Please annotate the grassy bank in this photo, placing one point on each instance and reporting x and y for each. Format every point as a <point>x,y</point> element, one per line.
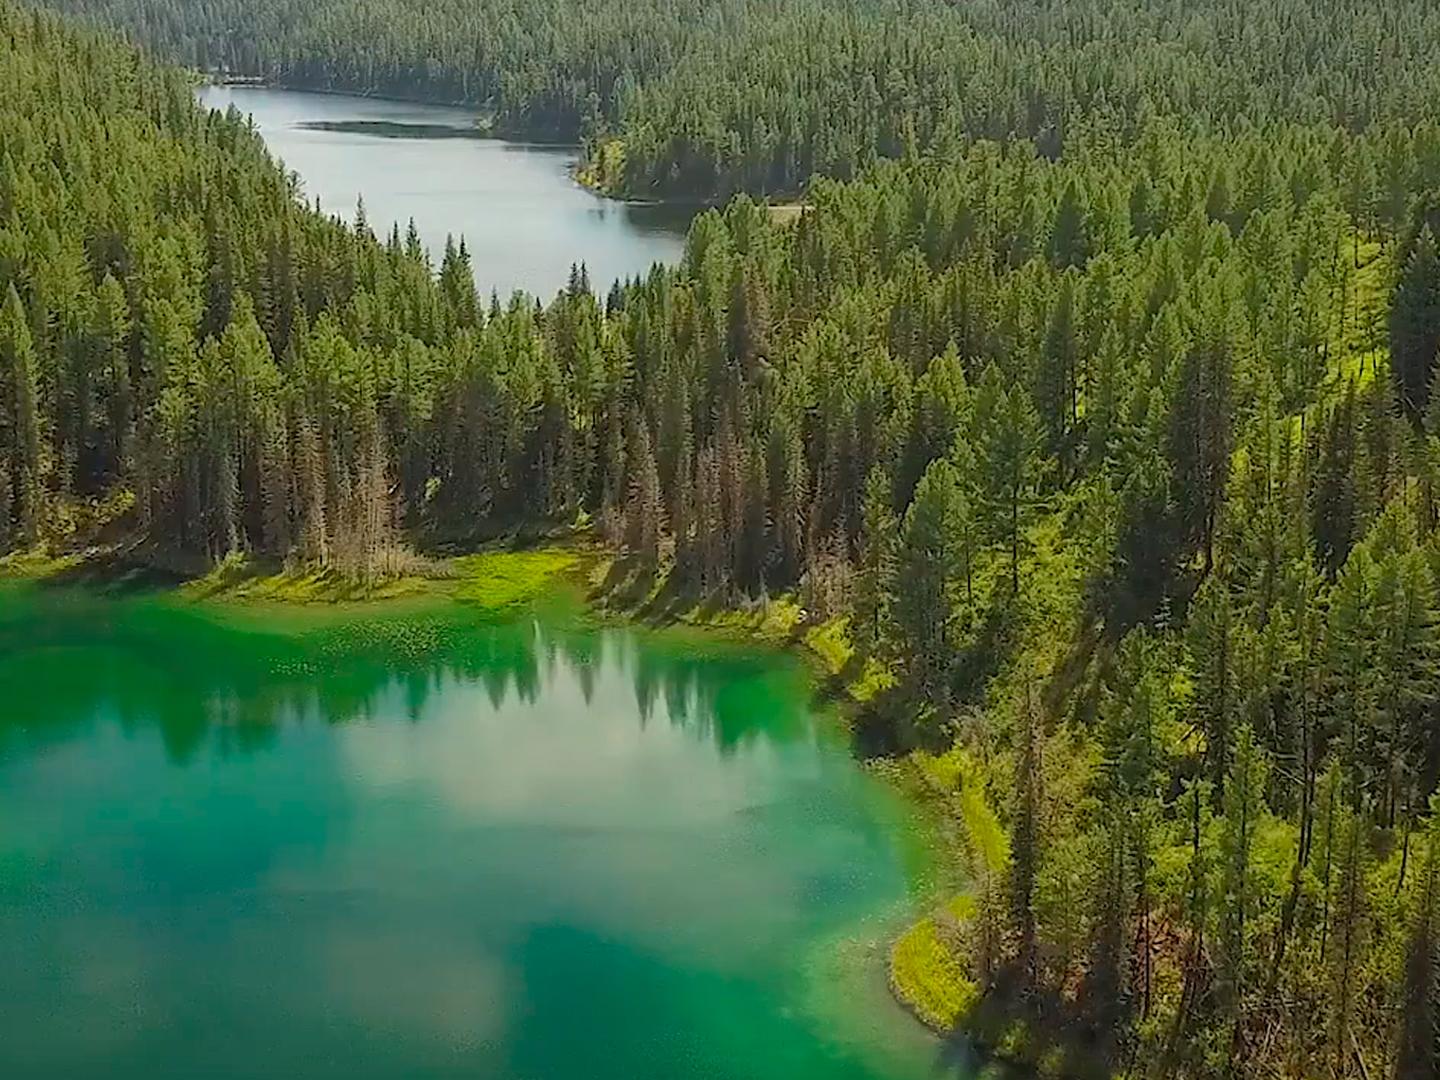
<point>494,580</point>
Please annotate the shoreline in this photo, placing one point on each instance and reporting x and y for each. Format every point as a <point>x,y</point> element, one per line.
<point>500,578</point>
<point>483,128</point>
<point>265,82</point>
<point>784,207</point>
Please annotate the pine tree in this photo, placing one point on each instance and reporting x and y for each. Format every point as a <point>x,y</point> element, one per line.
<point>310,494</point>
<point>873,597</point>
<point>927,570</point>
<point>683,515</point>
<point>1105,980</point>
<point>1415,325</point>
<point>1349,676</point>
<point>1057,388</point>
<point>733,496</point>
<point>1069,245</point>
<point>1201,432</point>
<point>942,404</point>
<point>1025,847</point>
<point>457,283</point>
<point>19,371</point>
<point>1244,807</point>
<point>1194,812</point>
<point>110,328</point>
<point>1419,1052</point>
<point>749,314</point>
<point>711,527</point>
<point>754,559</point>
<point>275,481</point>
<point>1212,648</point>
<point>1350,926</point>
<point>789,492</point>
<point>1010,466</point>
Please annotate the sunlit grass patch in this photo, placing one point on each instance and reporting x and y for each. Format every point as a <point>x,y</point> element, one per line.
<point>503,579</point>
<point>36,563</point>
<point>240,578</point>
<point>930,978</point>
<point>956,772</point>
<point>774,620</point>
<point>830,641</point>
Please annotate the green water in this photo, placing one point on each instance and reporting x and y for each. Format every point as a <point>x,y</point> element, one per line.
<point>240,843</point>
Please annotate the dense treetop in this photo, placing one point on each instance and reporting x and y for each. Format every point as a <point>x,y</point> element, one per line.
<point>1117,468</point>
<point>706,97</point>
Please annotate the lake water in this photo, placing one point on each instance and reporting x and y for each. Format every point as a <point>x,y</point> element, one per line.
<point>246,842</point>
<point>524,219</point>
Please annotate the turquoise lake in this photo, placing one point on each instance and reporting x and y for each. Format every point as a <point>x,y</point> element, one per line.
<point>410,842</point>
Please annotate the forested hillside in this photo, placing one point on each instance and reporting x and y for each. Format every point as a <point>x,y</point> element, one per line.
<point>709,97</point>
<point>1112,475</point>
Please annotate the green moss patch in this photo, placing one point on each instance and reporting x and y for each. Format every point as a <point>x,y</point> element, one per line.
<point>500,580</point>
<point>929,978</point>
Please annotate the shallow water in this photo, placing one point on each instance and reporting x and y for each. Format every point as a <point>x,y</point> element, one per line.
<point>266,843</point>
<point>524,219</point>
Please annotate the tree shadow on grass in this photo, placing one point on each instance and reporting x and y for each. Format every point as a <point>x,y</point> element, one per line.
<point>1020,1034</point>
<point>120,572</point>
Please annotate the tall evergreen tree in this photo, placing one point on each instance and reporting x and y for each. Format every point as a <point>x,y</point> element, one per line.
<point>22,378</point>
<point>1415,324</point>
<point>927,571</point>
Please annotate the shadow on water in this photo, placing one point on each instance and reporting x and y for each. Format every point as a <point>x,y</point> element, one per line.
<point>393,129</point>
<point>629,586</point>
<point>959,1058</point>
<point>229,678</point>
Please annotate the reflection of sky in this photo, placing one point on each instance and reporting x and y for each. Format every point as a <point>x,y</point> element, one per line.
<point>653,818</point>
<point>437,884</point>
<point>524,219</point>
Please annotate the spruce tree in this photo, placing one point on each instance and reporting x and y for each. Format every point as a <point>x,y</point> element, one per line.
<point>927,571</point>
<point>1415,325</point>
<point>874,582</point>
<point>1010,465</point>
<point>19,372</point>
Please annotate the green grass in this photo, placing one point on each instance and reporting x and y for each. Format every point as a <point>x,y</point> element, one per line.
<point>36,563</point>
<point>1358,348</point>
<point>242,579</point>
<point>500,580</point>
<point>773,622</point>
<point>493,580</point>
<point>928,976</point>
<point>929,967</point>
<point>957,776</point>
<point>830,641</point>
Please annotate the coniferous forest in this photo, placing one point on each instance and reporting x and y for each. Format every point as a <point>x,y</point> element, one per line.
<point>709,97</point>
<point>1090,395</point>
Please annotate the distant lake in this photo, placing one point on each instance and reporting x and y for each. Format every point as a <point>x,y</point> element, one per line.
<point>523,216</point>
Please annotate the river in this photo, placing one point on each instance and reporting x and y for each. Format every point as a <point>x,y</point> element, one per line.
<point>524,218</point>
<point>260,842</point>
